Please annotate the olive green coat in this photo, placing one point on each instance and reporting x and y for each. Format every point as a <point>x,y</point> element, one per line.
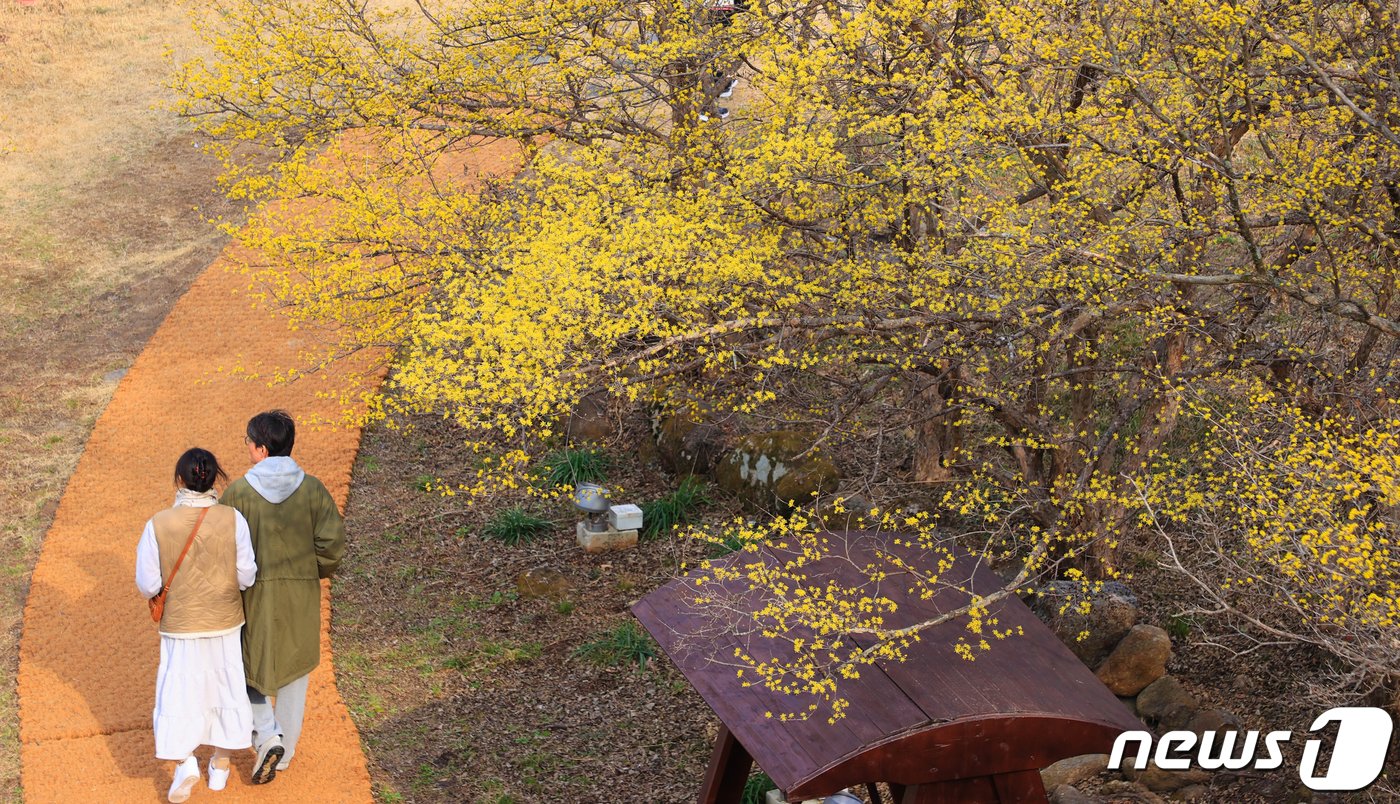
<point>296,542</point>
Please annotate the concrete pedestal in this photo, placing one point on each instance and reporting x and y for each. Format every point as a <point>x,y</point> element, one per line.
<point>600,541</point>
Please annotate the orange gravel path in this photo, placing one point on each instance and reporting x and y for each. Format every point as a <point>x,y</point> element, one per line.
<point>89,650</point>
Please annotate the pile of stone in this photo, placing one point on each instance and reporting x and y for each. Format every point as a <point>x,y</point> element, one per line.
<point>1130,658</point>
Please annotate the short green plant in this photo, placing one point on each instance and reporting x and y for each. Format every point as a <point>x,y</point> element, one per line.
<point>564,607</point>
<point>625,644</point>
<point>515,525</point>
<point>756,788</point>
<point>423,483</point>
<point>661,515</point>
<point>570,467</point>
<point>497,598</point>
<point>426,777</point>
<point>729,544</point>
<point>1179,626</point>
<point>491,654</point>
<point>508,653</point>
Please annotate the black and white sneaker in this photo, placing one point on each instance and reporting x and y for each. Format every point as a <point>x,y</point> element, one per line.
<point>269,754</point>
<point>729,88</point>
<point>722,113</point>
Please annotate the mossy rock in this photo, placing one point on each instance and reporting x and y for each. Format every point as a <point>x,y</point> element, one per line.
<point>686,446</point>
<point>764,472</point>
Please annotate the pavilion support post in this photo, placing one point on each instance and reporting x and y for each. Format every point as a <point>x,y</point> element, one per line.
<point>1021,787</point>
<point>729,770</point>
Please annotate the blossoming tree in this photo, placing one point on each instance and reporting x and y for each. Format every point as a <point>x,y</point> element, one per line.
<point>1088,272</point>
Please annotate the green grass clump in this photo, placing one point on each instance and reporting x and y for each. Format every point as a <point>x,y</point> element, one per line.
<point>731,543</point>
<point>570,467</point>
<point>515,525</point>
<point>756,789</point>
<point>625,644</point>
<point>1179,626</point>
<point>661,515</point>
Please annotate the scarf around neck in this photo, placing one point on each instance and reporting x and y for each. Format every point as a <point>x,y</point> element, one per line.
<point>196,499</point>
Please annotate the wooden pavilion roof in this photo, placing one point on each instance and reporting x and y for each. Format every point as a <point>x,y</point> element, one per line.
<point>1024,704</point>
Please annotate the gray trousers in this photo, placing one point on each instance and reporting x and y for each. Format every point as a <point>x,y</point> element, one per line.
<point>283,716</point>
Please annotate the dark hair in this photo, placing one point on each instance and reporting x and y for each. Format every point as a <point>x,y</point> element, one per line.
<point>275,430</point>
<point>197,469</point>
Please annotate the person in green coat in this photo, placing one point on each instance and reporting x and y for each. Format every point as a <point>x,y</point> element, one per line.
<point>298,538</point>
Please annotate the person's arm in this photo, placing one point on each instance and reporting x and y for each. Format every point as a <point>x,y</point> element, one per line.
<point>329,536</point>
<point>148,581</point>
<point>243,544</point>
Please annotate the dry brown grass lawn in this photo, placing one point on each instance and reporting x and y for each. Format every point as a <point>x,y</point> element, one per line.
<point>103,199</point>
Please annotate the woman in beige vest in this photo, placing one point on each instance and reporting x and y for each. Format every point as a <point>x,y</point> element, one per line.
<point>201,697</point>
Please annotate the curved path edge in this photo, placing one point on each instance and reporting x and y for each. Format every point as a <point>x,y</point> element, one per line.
<point>89,650</point>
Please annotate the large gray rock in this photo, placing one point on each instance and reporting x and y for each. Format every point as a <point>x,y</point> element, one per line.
<point>1212,720</point>
<point>1073,770</point>
<point>1065,794</point>
<point>852,511</point>
<point>765,472</point>
<point>1090,636</point>
<point>1138,660</point>
<point>1120,790</point>
<point>1165,781</point>
<point>592,420</point>
<point>687,446</point>
<point>1166,702</point>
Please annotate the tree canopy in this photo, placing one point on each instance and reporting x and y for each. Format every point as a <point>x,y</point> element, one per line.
<point>1089,272</point>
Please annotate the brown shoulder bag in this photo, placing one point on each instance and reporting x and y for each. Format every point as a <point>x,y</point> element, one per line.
<point>157,603</point>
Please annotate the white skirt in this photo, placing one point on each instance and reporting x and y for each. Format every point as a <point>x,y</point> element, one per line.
<point>201,695</point>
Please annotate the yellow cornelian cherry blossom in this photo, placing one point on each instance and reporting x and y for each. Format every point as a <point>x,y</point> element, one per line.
<point>1085,283</point>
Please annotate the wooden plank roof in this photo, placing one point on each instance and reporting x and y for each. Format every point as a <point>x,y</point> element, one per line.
<point>1024,704</point>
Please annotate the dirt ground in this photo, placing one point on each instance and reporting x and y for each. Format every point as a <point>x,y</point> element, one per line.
<point>466,691</point>
<point>103,201</point>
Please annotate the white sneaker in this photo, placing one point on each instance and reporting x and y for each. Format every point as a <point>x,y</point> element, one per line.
<point>218,777</point>
<point>186,774</point>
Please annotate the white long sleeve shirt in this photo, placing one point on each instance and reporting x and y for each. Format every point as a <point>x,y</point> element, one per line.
<point>149,580</point>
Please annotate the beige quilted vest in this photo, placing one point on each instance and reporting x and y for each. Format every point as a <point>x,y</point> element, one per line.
<point>204,597</point>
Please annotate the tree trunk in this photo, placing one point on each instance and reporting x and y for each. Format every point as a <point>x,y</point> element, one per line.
<point>937,438</point>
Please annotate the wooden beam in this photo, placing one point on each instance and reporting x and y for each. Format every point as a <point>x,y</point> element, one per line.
<point>729,769</point>
<point>1023,786</point>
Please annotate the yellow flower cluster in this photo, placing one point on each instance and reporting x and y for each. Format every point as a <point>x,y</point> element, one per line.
<point>1075,272</point>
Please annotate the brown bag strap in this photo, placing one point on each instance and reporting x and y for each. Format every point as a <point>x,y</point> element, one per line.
<point>181,559</point>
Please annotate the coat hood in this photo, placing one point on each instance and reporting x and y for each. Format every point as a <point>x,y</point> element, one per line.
<point>275,478</point>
